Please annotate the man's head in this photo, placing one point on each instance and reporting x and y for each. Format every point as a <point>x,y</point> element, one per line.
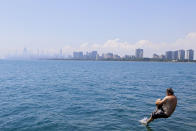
<point>169,91</point>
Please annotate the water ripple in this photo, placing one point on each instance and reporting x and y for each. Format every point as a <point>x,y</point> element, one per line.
<point>89,95</point>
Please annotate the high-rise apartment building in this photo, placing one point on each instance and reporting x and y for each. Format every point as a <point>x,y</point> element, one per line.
<point>60,53</point>
<point>139,53</point>
<point>190,54</point>
<point>168,55</point>
<point>91,55</point>
<point>108,56</point>
<point>181,54</point>
<point>174,55</point>
<point>78,55</point>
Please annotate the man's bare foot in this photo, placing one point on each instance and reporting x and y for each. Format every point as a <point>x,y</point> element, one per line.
<point>144,121</point>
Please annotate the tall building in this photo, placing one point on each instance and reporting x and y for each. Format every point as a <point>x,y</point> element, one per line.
<point>25,52</point>
<point>139,53</point>
<point>108,56</point>
<point>181,54</point>
<point>60,53</point>
<point>38,53</point>
<point>116,56</point>
<point>190,54</point>
<point>174,55</point>
<point>91,55</point>
<point>78,55</point>
<point>168,55</point>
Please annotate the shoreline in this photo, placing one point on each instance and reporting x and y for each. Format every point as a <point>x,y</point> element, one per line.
<point>120,60</point>
<point>143,60</point>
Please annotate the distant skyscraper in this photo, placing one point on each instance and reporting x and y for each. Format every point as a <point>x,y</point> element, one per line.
<point>181,54</point>
<point>116,56</point>
<point>91,55</point>
<point>108,56</point>
<point>139,53</point>
<point>25,52</point>
<point>94,54</point>
<point>78,55</point>
<point>190,54</point>
<point>38,53</point>
<point>174,55</point>
<point>61,53</point>
<point>168,55</point>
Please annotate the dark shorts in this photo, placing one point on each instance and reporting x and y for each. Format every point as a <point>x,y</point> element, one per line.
<point>159,113</point>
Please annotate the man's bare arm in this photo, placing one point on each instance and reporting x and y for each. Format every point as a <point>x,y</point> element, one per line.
<point>160,102</point>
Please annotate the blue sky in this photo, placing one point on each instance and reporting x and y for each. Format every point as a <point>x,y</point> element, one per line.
<point>92,24</point>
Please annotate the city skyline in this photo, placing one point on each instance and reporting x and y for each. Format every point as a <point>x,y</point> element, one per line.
<point>174,55</point>
<point>113,46</point>
<point>169,55</point>
<point>105,26</point>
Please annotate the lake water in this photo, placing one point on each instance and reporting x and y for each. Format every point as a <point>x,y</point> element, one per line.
<point>93,95</point>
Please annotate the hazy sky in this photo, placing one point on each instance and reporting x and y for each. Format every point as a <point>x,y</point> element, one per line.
<point>118,26</point>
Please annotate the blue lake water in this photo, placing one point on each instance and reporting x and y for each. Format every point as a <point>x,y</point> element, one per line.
<point>93,95</point>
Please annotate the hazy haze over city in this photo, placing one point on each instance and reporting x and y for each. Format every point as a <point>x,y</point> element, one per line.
<point>106,26</point>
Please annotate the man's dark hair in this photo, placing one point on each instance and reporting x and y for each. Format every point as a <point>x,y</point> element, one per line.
<point>170,91</point>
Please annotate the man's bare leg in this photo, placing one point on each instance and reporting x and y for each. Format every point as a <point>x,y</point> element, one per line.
<point>146,121</point>
<point>150,120</point>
